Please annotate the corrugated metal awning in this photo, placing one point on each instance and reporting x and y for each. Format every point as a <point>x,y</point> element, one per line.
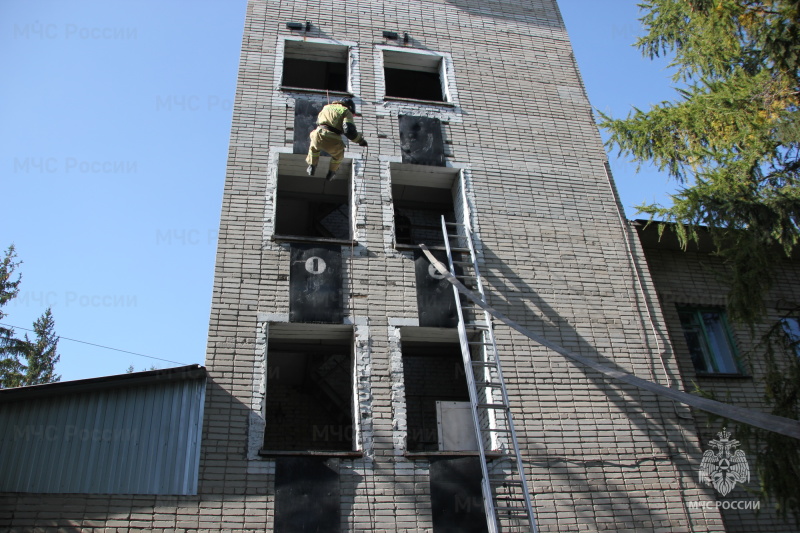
<point>129,434</point>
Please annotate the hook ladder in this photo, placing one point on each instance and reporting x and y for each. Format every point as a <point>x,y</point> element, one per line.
<point>505,491</point>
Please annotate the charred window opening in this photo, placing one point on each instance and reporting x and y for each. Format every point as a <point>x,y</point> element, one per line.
<point>414,76</point>
<point>456,497</point>
<point>312,65</point>
<point>421,141</point>
<point>420,196</point>
<point>307,495</point>
<point>309,207</point>
<point>315,283</point>
<point>433,374</point>
<point>309,389</point>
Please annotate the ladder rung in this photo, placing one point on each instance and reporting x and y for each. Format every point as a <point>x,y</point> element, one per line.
<point>510,505</point>
<point>506,457</point>
<point>492,406</point>
<point>504,481</point>
<point>509,510</point>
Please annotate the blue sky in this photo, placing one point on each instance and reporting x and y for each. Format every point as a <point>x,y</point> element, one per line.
<point>114,125</point>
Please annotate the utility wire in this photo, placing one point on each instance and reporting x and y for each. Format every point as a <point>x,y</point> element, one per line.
<point>101,346</point>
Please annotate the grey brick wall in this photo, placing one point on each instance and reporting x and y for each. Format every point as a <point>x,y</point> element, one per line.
<point>691,279</point>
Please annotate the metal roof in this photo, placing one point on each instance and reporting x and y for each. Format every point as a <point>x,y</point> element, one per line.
<point>179,373</point>
<point>129,434</point>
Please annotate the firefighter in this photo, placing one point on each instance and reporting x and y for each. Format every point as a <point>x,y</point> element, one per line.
<point>334,120</point>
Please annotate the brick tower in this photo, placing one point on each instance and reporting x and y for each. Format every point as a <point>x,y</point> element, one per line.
<point>335,375</point>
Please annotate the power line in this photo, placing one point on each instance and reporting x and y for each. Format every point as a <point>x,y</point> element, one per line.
<point>101,346</point>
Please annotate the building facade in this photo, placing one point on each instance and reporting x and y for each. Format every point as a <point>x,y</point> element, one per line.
<point>475,111</point>
<point>335,387</point>
<point>724,359</point>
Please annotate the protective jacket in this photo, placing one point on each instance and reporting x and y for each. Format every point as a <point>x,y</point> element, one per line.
<point>337,118</point>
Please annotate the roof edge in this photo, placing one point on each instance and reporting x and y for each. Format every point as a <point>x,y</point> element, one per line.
<point>150,377</point>
<point>649,237</point>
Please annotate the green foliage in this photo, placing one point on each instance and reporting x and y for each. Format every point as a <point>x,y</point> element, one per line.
<point>10,347</point>
<point>41,354</point>
<point>732,138</point>
<point>24,361</point>
<point>777,459</point>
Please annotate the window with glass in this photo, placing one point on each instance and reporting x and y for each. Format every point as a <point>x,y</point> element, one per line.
<point>791,326</point>
<point>709,339</point>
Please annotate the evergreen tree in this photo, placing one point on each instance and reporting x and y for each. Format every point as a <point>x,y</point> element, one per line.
<point>10,348</point>
<point>732,139</point>
<point>41,354</point>
<point>22,361</point>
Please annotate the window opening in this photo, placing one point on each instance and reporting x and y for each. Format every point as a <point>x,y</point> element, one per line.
<point>309,389</point>
<point>312,65</point>
<point>414,76</point>
<point>420,197</point>
<point>709,340</point>
<point>433,372</point>
<point>309,206</point>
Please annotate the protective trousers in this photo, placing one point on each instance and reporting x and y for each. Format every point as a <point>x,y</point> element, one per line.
<point>322,139</point>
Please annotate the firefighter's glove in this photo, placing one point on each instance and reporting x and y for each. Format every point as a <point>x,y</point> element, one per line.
<point>362,142</point>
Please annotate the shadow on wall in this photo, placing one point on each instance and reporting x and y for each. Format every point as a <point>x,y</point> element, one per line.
<point>664,446</point>
<point>531,12</point>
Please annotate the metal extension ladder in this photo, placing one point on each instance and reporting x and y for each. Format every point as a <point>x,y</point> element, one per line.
<point>505,490</point>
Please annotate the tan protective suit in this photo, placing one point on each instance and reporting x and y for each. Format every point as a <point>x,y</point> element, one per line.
<point>334,116</point>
